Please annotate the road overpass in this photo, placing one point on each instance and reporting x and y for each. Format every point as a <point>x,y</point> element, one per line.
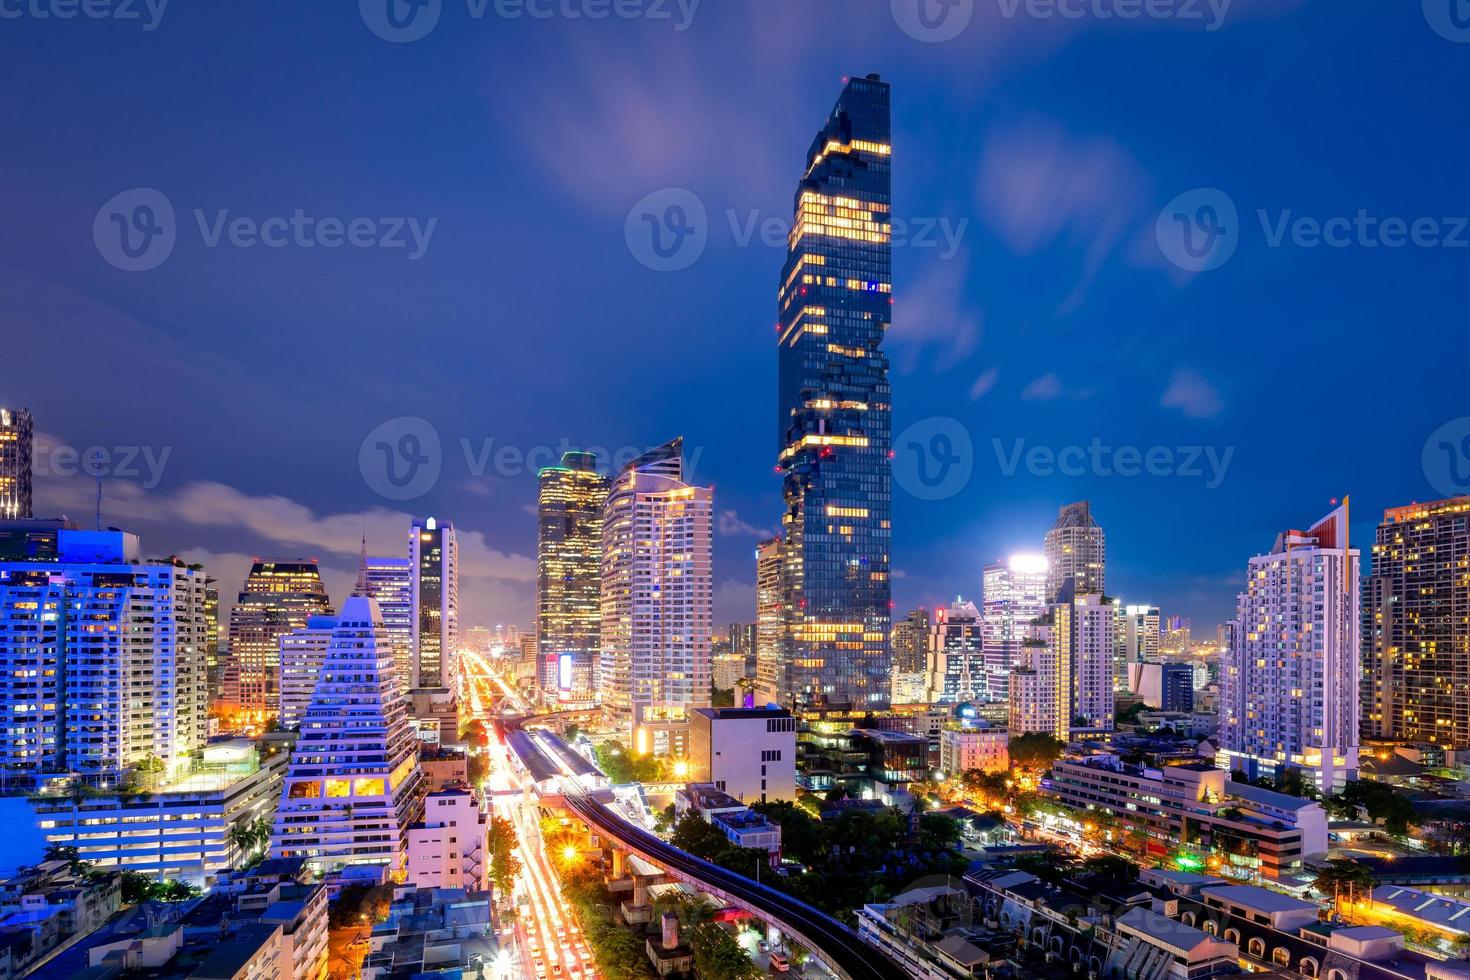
<point>835,944</point>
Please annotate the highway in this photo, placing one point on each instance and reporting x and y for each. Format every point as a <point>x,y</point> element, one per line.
<point>835,944</point>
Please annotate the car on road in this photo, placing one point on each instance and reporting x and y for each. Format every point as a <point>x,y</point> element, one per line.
<point>780,963</point>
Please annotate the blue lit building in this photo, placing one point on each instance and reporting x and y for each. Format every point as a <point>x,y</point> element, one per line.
<point>835,416</point>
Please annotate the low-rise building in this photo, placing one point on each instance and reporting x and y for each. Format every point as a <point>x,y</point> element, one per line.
<point>182,828</point>
<point>431,930</point>
<point>741,825</point>
<point>43,907</point>
<point>448,848</point>
<point>981,747</point>
<point>1251,831</point>
<point>934,933</point>
<point>749,753</point>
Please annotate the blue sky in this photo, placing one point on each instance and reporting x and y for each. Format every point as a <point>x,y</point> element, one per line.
<point>1051,316</point>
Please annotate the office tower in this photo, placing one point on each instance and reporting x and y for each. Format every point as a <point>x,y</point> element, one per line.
<point>910,642</point>
<point>277,597</point>
<point>1014,597</point>
<point>389,583</point>
<point>433,556</point>
<point>657,600</point>
<point>1416,626</point>
<point>1075,549</point>
<point>956,663</point>
<point>214,666</point>
<point>303,651</point>
<point>1066,677</point>
<point>103,659</point>
<point>354,785</point>
<point>16,444</point>
<point>1289,683</point>
<point>771,622</point>
<point>834,410</point>
<point>1093,640</point>
<point>1137,640</point>
<point>526,668</point>
<point>569,503</point>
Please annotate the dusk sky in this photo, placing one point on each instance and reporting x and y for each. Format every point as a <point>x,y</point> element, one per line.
<point>1039,300</point>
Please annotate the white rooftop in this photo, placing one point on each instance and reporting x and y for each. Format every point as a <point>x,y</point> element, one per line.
<point>1437,910</point>
<point>1258,899</point>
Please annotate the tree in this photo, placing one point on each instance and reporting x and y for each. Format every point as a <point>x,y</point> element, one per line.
<point>718,956</point>
<point>504,865</point>
<point>1381,802</point>
<point>700,838</point>
<point>1344,879</point>
<point>1034,750</point>
<point>138,887</point>
<point>722,697</point>
<point>1111,866</point>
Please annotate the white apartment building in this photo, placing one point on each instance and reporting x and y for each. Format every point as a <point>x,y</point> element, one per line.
<point>982,747</point>
<point>303,651</point>
<point>1137,640</point>
<point>449,848</point>
<point>748,753</point>
<point>104,661</point>
<point>1289,683</point>
<point>657,601</point>
<point>956,661</point>
<point>353,785</point>
<point>1092,641</point>
<point>1066,678</point>
<point>1014,594</point>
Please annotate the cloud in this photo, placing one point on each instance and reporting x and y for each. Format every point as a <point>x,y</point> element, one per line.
<point>1043,389</point>
<point>1039,185</point>
<point>935,318</point>
<point>984,383</point>
<point>734,602</point>
<point>1192,394</point>
<point>729,522</point>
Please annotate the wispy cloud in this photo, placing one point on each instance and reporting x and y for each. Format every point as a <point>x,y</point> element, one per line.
<point>1043,389</point>
<point>730,522</point>
<point>936,321</point>
<point>984,383</point>
<point>1191,393</point>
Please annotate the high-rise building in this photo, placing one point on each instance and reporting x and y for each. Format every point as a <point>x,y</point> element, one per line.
<point>1137,640</point>
<point>1416,626</point>
<point>1076,550</point>
<point>1289,682</point>
<point>214,667</point>
<point>657,600</point>
<point>1014,597</point>
<point>956,662</point>
<point>911,642</point>
<point>433,556</point>
<point>353,786</point>
<point>835,412</point>
<point>16,445</point>
<point>303,651</point>
<point>103,659</point>
<point>1092,644</point>
<point>389,583</point>
<point>771,657</point>
<point>277,597</point>
<point>1065,681</point>
<point>569,503</point>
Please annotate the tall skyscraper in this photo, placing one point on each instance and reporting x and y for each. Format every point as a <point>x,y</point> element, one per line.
<point>389,583</point>
<point>16,438</point>
<point>1065,681</point>
<point>657,600</point>
<point>277,597</point>
<point>910,642</point>
<point>1290,680</point>
<point>303,651</point>
<point>1137,640</point>
<point>771,622</point>
<point>354,784</point>
<point>433,556</point>
<point>1416,626</point>
<point>956,662</point>
<point>1075,549</point>
<point>1093,641</point>
<point>104,661</point>
<point>834,408</point>
<point>569,503</point>
<point>1014,597</point>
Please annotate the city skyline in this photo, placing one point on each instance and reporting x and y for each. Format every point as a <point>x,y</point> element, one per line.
<point>1036,293</point>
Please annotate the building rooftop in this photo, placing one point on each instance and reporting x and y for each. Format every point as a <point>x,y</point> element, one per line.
<point>1259,899</point>
<point>1441,911</point>
<point>726,714</point>
<point>1267,797</point>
